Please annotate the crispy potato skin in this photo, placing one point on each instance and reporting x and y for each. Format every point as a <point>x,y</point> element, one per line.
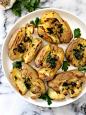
<point>41,55</point>
<point>72,59</point>
<point>27,72</point>
<point>70,81</point>
<point>57,34</point>
<point>32,50</point>
<point>47,73</point>
<point>15,39</point>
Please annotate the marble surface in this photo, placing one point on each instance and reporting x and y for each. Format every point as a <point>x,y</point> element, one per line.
<point>10,102</point>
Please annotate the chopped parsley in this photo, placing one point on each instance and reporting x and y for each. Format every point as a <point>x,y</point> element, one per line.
<point>36,22</point>
<point>72,91</point>
<point>78,52</point>
<point>27,39</point>
<point>53,21</point>
<point>73,84</point>
<point>32,45</point>
<point>77,33</point>
<point>60,31</point>
<point>27,84</point>
<point>81,84</point>
<point>17,64</point>
<point>60,25</point>
<point>15,78</point>
<point>51,60</point>
<point>82,68</point>
<point>14,50</point>
<point>20,49</point>
<point>50,30</point>
<point>46,97</point>
<point>65,84</point>
<point>65,65</point>
<point>21,43</point>
<point>40,36</point>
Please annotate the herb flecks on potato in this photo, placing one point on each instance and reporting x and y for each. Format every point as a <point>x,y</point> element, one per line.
<point>22,44</point>
<point>70,81</point>
<point>51,58</point>
<point>54,29</point>
<point>27,79</point>
<point>75,52</point>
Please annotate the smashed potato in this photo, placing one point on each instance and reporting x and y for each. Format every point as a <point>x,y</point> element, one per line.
<point>32,50</point>
<point>51,58</point>
<point>54,29</point>
<point>76,52</point>
<point>70,81</point>
<point>27,79</point>
<point>22,44</point>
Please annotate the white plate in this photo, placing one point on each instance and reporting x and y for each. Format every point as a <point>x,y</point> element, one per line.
<point>73,21</point>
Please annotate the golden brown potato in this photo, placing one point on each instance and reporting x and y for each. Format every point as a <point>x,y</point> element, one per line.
<point>70,81</point>
<point>17,81</point>
<point>54,29</point>
<point>27,79</point>
<point>22,44</point>
<point>76,52</point>
<point>38,88</point>
<point>51,58</point>
<point>55,96</point>
<point>14,44</point>
<point>32,50</point>
<point>42,55</point>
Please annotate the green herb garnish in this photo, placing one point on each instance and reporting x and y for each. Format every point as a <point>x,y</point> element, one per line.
<point>36,22</point>
<point>20,49</point>
<point>60,25</point>
<point>72,91</point>
<point>60,31</point>
<point>46,97</point>
<point>65,65</point>
<point>73,84</point>
<point>51,60</point>
<point>77,33</point>
<point>50,30</point>
<point>14,50</point>
<point>17,64</point>
<point>27,39</point>
<point>27,84</point>
<point>16,9</point>
<point>21,43</point>
<point>78,52</point>
<point>53,21</point>
<point>82,68</point>
<point>81,84</point>
<point>15,78</point>
<point>40,36</point>
<point>30,6</point>
<point>32,45</point>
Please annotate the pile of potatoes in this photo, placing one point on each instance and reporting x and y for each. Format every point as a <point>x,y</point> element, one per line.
<point>48,59</point>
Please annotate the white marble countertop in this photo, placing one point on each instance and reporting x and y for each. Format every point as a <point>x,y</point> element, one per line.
<point>10,102</point>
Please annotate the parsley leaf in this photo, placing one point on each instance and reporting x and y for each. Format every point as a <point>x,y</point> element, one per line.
<point>30,6</point>
<point>65,65</point>
<point>82,68</point>
<point>77,33</point>
<point>16,9</point>
<point>17,64</point>
<point>36,22</point>
<point>46,97</point>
